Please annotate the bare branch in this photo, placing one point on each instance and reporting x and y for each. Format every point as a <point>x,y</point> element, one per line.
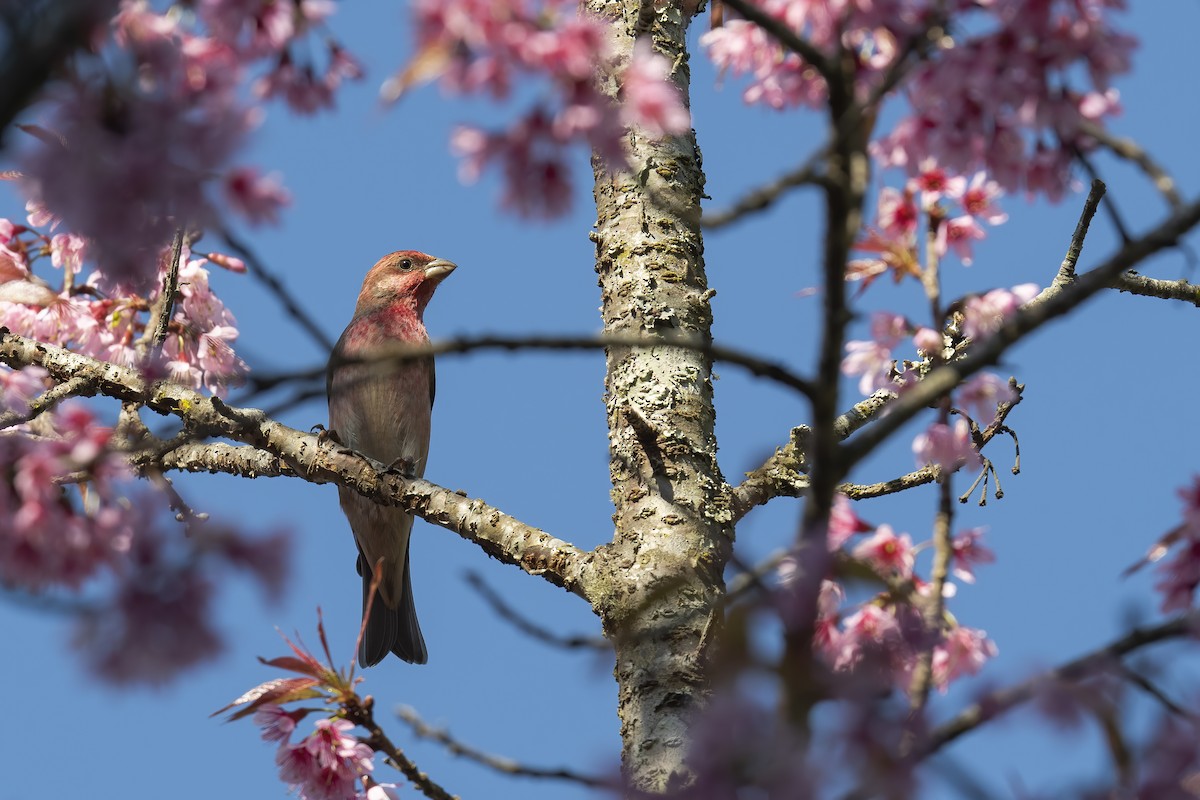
<point>529,628</point>
<point>500,535</point>
<point>1131,151</point>
<point>50,398</point>
<point>998,702</point>
<point>361,714</point>
<point>764,197</point>
<point>755,365</point>
<point>1134,283</point>
<point>508,766</point>
<point>275,286</point>
<point>1053,302</point>
<point>164,306</point>
<point>1066,270</point>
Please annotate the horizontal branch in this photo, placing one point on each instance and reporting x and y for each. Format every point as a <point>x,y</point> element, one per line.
<point>508,766</point>
<point>765,196</point>
<point>258,270</point>
<point>1133,283</point>
<point>1000,701</point>
<point>1052,303</point>
<point>755,365</point>
<point>781,475</point>
<point>304,454</point>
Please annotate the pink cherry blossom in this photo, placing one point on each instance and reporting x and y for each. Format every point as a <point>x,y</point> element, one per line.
<point>983,315</point>
<point>887,553</point>
<point>873,632</point>
<point>897,214</point>
<point>49,539</point>
<point>844,523</point>
<point>1179,577</point>
<point>256,197</point>
<point>956,234</point>
<point>1191,507</point>
<point>532,158</point>
<point>382,791</point>
<point>979,197</point>
<point>68,251</point>
<point>982,395</point>
<point>19,387</point>
<point>872,361</point>
<point>826,636</point>
<point>967,552</point>
<point>1004,85</point>
<point>277,724</point>
<point>964,651</point>
<point>933,181</point>
<point>946,446</point>
<point>326,764</point>
<point>652,101</point>
<point>152,630</point>
<point>889,329</point>
<point>929,341</point>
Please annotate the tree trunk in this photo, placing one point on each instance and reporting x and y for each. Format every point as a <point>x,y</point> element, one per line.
<point>660,582</point>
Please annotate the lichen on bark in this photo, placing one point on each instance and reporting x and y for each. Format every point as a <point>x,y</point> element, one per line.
<point>658,586</point>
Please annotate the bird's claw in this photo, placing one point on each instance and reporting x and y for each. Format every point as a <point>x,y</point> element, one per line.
<point>404,465</point>
<point>326,434</point>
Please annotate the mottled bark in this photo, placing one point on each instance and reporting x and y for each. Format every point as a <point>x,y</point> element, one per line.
<point>659,584</point>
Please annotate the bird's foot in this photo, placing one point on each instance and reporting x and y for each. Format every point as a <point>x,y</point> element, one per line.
<point>404,465</point>
<point>326,435</point>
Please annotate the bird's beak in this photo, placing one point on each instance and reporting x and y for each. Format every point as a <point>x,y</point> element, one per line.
<point>439,269</point>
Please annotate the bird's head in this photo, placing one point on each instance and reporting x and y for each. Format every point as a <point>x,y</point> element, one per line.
<point>407,277</point>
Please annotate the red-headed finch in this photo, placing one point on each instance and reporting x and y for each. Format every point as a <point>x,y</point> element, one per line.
<point>382,410</point>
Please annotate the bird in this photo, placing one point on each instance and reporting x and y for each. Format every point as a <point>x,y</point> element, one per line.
<point>382,410</point>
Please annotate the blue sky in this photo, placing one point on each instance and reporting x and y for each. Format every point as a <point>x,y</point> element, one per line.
<point>1105,430</point>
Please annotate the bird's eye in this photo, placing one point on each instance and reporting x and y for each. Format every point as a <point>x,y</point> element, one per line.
<point>405,264</point>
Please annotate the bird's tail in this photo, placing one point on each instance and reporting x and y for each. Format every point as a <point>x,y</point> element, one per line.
<point>390,630</point>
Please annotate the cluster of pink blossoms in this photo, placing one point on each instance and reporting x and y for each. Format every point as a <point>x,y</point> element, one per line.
<point>885,632</point>
<point>140,137</point>
<point>995,95</point>
<point>67,522</point>
<point>894,241</point>
<point>480,46</point>
<point>325,765</point>
<point>46,542</point>
<point>1179,577</point>
<point>107,325</point>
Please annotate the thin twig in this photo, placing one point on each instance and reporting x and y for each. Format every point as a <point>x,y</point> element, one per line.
<point>531,629</point>
<point>361,714</point>
<point>499,763</point>
<point>258,269</point>
<point>399,353</point>
<point>1131,151</point>
<point>943,552</point>
<point>46,401</point>
<point>1066,270</point>
<point>765,196</point>
<point>1146,685</point>
<point>1052,303</point>
<point>164,306</point>
<point>998,702</point>
<point>1110,205</point>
